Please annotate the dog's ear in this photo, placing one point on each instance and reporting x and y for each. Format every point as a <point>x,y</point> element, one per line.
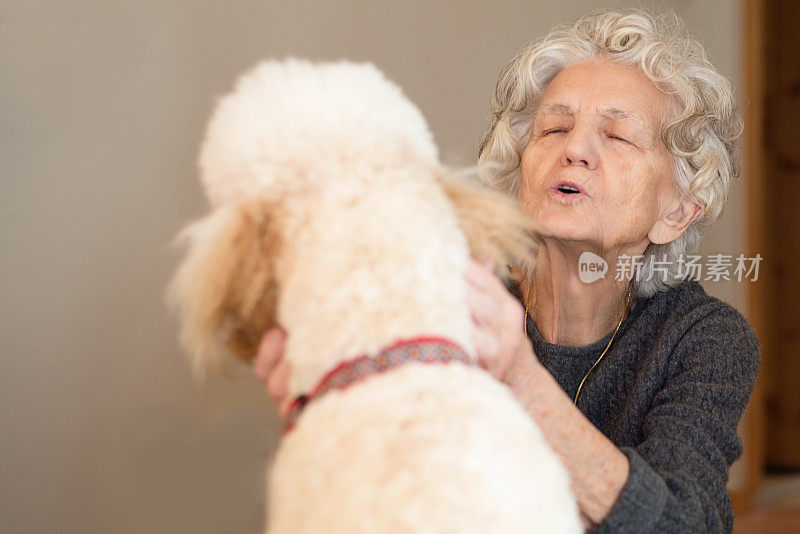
<point>492,222</point>
<point>225,290</point>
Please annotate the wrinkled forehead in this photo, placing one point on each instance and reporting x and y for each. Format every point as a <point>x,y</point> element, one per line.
<point>606,112</point>
<point>608,90</point>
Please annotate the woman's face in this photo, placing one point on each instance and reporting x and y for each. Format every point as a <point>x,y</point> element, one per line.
<point>595,168</point>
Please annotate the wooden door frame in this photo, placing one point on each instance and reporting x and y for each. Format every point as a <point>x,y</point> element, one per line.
<point>753,19</point>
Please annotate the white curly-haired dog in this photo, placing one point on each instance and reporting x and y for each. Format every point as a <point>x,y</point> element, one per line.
<point>333,218</point>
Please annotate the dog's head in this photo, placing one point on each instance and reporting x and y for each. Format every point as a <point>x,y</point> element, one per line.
<point>280,135</point>
<point>286,124</point>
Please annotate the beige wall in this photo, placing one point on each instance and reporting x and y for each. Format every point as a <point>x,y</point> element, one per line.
<point>102,106</point>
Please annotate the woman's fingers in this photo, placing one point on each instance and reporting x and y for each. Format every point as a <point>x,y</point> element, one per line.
<point>487,347</point>
<point>482,302</point>
<point>284,405</point>
<point>272,368</point>
<point>497,319</point>
<point>484,291</point>
<point>481,274</point>
<point>481,305</point>
<point>278,387</point>
<point>278,381</point>
<point>270,351</point>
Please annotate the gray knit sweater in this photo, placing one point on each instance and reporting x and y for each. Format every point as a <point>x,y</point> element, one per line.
<point>669,393</point>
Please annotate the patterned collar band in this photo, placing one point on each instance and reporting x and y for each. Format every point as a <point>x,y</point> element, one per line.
<point>344,375</point>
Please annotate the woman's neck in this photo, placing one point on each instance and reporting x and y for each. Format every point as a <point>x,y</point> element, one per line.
<point>569,309</point>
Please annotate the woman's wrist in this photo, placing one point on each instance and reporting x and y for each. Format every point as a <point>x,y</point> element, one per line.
<point>597,468</point>
<point>524,373</point>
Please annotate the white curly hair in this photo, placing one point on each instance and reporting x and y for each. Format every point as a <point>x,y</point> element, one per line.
<point>701,134</point>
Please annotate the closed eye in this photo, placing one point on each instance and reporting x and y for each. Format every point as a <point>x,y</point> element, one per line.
<point>618,138</point>
<point>555,130</point>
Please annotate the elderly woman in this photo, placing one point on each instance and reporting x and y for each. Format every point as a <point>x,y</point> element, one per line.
<point>618,138</point>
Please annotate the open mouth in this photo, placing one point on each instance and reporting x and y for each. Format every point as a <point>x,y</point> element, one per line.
<point>568,189</point>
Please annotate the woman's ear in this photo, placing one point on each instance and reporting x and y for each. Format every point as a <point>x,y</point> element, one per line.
<point>492,222</point>
<point>225,290</point>
<point>670,226</point>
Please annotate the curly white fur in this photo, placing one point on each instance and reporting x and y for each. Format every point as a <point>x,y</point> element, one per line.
<point>372,250</point>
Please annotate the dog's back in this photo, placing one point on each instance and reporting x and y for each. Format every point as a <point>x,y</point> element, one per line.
<point>334,219</point>
<point>425,448</point>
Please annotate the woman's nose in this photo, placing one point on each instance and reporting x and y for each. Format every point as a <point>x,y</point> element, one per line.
<point>580,149</point>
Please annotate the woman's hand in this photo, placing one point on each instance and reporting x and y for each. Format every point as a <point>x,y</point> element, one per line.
<point>498,328</point>
<point>598,469</point>
<point>273,369</point>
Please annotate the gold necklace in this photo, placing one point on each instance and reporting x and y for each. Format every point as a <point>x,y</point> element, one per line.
<point>621,318</point>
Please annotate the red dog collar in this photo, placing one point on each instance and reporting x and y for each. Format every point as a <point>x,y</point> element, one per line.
<point>344,375</point>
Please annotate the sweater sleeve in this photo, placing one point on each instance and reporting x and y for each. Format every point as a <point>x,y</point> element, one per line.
<point>679,472</point>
